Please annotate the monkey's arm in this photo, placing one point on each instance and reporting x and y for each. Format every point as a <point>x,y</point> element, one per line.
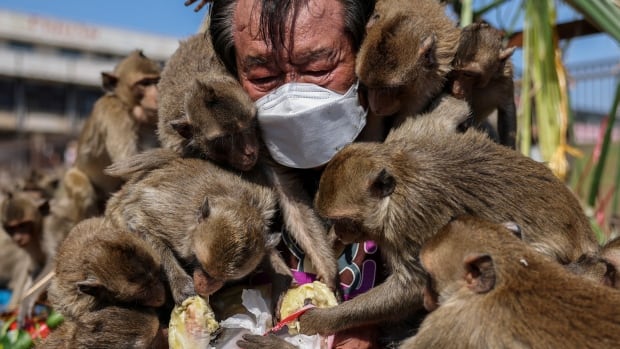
<point>305,226</point>
<point>281,278</point>
<point>121,139</point>
<point>396,298</point>
<point>181,284</point>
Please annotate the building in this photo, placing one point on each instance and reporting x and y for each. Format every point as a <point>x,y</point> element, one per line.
<point>50,76</point>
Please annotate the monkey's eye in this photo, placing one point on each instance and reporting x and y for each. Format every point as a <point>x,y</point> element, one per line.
<point>148,82</point>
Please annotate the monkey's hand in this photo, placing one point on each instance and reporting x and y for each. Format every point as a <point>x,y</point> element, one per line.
<point>182,287</point>
<point>316,320</point>
<point>253,341</point>
<point>200,5</point>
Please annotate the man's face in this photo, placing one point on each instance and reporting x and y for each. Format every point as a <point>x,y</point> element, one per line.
<point>321,53</point>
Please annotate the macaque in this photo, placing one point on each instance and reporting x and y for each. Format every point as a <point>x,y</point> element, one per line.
<point>406,56</point>
<point>494,291</point>
<point>109,327</point>
<point>204,111</point>
<point>400,193</point>
<point>123,122</point>
<point>202,220</point>
<point>22,214</point>
<point>99,265</point>
<point>482,75</point>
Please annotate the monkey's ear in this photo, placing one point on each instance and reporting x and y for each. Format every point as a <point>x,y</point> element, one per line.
<point>383,185</point>
<point>479,273</point>
<point>109,81</point>
<point>272,240</point>
<point>90,286</point>
<point>183,128</point>
<point>205,210</point>
<point>44,206</point>
<point>514,228</point>
<point>427,51</point>
<point>506,52</point>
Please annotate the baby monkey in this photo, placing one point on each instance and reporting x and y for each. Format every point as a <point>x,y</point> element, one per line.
<point>204,111</point>
<point>482,75</point>
<point>98,265</point>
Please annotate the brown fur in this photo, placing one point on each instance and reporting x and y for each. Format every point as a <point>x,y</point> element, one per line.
<point>400,193</point>
<point>121,122</point>
<point>195,215</point>
<point>204,112</point>
<point>110,327</point>
<point>22,214</point>
<point>483,75</point>
<point>406,55</point>
<point>497,292</point>
<point>99,265</point>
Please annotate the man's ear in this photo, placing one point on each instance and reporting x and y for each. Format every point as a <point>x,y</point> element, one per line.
<point>479,273</point>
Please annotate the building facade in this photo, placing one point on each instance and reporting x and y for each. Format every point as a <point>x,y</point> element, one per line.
<point>50,76</point>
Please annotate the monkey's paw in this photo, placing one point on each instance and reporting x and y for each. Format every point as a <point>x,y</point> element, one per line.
<point>252,341</point>
<point>182,288</point>
<point>315,321</point>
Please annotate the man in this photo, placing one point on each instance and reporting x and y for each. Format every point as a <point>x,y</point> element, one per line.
<point>296,60</point>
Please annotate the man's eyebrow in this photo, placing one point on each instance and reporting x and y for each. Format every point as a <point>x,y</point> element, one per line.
<point>314,55</point>
<point>253,61</point>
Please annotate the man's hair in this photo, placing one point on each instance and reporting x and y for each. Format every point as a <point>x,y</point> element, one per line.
<point>275,15</point>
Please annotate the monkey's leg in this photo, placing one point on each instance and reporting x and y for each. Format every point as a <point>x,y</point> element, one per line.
<point>281,279</point>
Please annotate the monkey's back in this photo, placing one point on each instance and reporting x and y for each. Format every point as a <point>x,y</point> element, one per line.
<point>471,174</point>
<point>165,201</point>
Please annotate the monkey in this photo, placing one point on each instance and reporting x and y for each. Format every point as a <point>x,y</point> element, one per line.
<point>400,193</point>
<point>98,265</point>
<point>109,327</point>
<point>204,111</point>
<point>406,56</point>
<point>22,214</point>
<point>197,216</point>
<point>482,74</point>
<point>486,278</point>
<point>122,123</point>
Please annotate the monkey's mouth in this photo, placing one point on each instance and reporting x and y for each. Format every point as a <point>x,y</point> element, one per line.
<point>247,162</point>
<point>348,231</point>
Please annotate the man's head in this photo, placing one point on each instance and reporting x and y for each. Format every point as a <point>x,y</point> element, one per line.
<point>255,41</point>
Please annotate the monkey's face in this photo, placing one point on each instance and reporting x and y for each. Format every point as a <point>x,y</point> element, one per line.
<point>20,232</point>
<point>354,192</point>
<point>238,150</point>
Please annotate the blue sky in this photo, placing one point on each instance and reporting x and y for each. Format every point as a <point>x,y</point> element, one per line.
<point>172,18</point>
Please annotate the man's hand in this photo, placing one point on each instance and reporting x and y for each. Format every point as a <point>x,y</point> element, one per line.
<point>200,5</point>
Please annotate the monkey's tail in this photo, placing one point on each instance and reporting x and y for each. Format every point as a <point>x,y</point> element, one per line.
<point>143,162</point>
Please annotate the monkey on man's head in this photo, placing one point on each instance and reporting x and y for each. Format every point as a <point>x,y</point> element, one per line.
<point>482,75</point>
<point>406,55</point>
<point>485,278</point>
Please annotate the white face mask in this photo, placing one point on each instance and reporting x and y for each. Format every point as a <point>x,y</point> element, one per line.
<point>305,125</point>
